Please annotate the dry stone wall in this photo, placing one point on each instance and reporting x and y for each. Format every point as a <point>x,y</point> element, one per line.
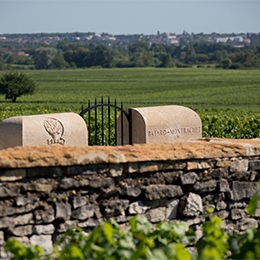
<point>46,190</point>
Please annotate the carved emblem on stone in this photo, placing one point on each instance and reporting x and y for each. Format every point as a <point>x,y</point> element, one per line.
<point>55,129</point>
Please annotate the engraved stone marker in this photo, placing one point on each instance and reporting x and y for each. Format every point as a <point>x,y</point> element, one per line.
<point>46,129</point>
<point>160,124</point>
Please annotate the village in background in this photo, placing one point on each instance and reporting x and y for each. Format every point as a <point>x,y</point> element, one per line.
<point>138,50</point>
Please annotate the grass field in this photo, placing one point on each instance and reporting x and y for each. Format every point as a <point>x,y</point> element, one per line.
<point>208,91</point>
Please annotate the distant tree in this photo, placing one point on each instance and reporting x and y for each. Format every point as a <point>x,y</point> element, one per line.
<point>218,56</point>
<point>251,60</point>
<point>10,59</point>
<point>43,57</point>
<point>2,66</point>
<point>157,48</point>
<point>102,56</point>
<point>147,58</point>
<point>58,62</point>
<point>23,60</point>
<point>92,46</point>
<point>80,57</point>
<point>170,49</point>
<point>202,57</point>
<point>238,57</point>
<point>167,61</point>
<point>64,46</point>
<point>14,85</point>
<point>190,54</point>
<point>226,63</point>
<point>139,46</point>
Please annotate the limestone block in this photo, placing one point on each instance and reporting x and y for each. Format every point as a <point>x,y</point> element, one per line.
<point>219,173</point>
<point>254,165</point>
<point>22,201</point>
<point>239,166</point>
<point>130,191</point>
<point>46,129</point>
<point>223,185</point>
<point>63,211</point>
<point>78,202</point>
<point>23,219</point>
<point>156,215</point>
<point>242,190</point>
<point>189,178</point>
<point>223,164</point>
<point>228,226</point>
<point>207,186</point>
<point>12,192</point>
<point>221,205</point>
<point>172,208</point>
<point>159,124</point>
<point>69,183</point>
<point>8,211</point>
<point>238,214</point>
<point>191,205</point>
<point>115,170</point>
<point>98,183</point>
<point>44,229</point>
<point>63,227</point>
<point>21,230</point>
<point>154,192</point>
<point>83,212</point>
<point>6,222</point>
<point>148,167</point>
<point>131,167</point>
<point>245,223</point>
<point>195,221</point>
<point>114,208</point>
<point>196,165</point>
<point>237,204</point>
<point>45,216</point>
<point>223,214</point>
<point>45,241</point>
<point>137,207</point>
<point>89,223</point>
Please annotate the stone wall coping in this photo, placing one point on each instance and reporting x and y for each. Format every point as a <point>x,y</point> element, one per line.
<point>56,155</point>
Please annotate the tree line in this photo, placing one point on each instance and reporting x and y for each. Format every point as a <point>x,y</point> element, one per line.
<point>137,54</point>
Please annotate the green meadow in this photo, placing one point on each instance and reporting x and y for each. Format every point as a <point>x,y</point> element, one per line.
<point>223,98</point>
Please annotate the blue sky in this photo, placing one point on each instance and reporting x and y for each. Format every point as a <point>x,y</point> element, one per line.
<point>129,16</point>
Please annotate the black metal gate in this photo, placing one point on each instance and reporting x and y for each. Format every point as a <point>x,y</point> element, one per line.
<point>112,109</point>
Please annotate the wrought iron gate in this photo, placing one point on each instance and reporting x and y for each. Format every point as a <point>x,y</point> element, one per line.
<point>97,124</point>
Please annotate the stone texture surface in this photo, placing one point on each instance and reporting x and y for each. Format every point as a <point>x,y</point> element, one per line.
<point>44,156</point>
<point>189,178</point>
<point>160,124</point>
<point>45,129</point>
<point>45,241</point>
<point>154,192</point>
<point>156,215</point>
<point>191,205</point>
<point>242,190</point>
<point>137,207</point>
<point>61,187</point>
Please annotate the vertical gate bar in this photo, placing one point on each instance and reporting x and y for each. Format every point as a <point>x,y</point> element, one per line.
<point>88,123</point>
<point>102,119</point>
<point>95,122</point>
<point>122,124</point>
<point>130,125</point>
<point>108,101</point>
<point>115,126</point>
